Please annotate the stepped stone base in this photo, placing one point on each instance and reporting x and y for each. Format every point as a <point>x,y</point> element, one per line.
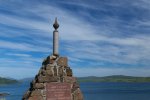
<point>54,82</point>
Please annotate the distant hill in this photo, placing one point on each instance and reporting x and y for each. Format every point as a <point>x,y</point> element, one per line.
<point>114,78</point>
<point>7,81</point>
<point>27,79</point>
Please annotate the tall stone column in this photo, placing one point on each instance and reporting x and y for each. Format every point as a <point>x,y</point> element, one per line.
<point>55,39</point>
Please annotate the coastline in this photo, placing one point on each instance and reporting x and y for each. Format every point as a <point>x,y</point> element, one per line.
<point>4,94</point>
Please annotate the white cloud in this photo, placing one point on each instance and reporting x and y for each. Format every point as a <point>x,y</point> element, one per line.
<point>18,54</point>
<point>124,50</point>
<point>71,27</point>
<point>110,47</point>
<point>22,46</point>
<point>17,21</point>
<point>18,73</point>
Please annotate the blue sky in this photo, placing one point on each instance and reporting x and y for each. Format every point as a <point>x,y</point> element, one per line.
<point>100,37</point>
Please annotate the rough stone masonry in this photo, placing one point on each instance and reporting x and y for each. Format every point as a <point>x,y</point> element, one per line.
<point>54,80</point>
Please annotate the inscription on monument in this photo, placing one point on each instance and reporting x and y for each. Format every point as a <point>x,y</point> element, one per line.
<point>58,91</point>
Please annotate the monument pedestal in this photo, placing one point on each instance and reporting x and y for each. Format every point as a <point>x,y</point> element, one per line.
<point>54,82</point>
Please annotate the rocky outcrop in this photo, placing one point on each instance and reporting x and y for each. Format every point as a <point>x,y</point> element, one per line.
<point>54,81</point>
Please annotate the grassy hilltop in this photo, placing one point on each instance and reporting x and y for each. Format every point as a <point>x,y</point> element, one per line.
<point>114,78</point>
<point>7,81</point>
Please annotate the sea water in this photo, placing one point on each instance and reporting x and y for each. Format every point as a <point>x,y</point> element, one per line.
<point>92,91</point>
<point>116,91</point>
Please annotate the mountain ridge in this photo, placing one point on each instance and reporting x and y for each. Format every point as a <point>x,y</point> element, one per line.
<point>111,78</point>
<point>4,81</point>
<point>114,78</point>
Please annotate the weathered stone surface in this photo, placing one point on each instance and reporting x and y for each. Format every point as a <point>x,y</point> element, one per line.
<point>75,86</point>
<point>36,98</point>
<point>61,79</point>
<point>55,71</point>
<point>38,86</point>
<point>44,92</point>
<point>60,71</point>
<point>68,79</point>
<point>26,95</point>
<point>54,79</point>
<point>51,61</point>
<point>48,67</point>
<point>49,72</point>
<point>77,95</point>
<point>62,61</point>
<point>36,93</point>
<point>43,72</point>
<point>69,72</point>
<point>46,61</point>
<point>42,79</point>
<point>62,86</point>
<point>53,57</point>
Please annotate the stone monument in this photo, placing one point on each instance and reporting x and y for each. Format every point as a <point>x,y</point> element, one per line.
<point>54,80</point>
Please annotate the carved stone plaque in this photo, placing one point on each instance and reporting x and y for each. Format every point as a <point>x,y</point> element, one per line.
<point>58,91</point>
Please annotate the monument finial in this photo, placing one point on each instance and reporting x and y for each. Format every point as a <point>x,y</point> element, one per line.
<point>56,25</point>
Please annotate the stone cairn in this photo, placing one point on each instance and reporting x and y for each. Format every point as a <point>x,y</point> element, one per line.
<point>54,81</point>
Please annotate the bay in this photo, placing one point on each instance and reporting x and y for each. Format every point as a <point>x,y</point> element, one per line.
<point>92,91</point>
<point>116,91</point>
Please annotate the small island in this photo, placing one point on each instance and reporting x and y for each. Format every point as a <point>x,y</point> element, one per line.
<point>5,81</point>
<point>114,78</point>
<point>3,94</point>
